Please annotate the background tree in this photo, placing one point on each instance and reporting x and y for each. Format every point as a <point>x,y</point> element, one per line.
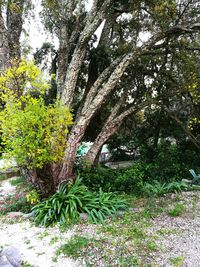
<point>11,23</point>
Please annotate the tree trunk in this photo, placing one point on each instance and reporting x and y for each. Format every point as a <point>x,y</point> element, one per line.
<point>99,142</point>
<point>45,179</point>
<point>14,27</point>
<point>74,139</point>
<point>111,126</point>
<point>4,50</point>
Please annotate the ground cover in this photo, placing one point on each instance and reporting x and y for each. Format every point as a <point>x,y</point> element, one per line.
<point>160,231</point>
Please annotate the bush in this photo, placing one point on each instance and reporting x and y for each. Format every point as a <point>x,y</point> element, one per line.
<point>167,162</point>
<point>70,200</point>
<point>99,177</point>
<point>102,205</point>
<point>131,180</point>
<point>33,133</point>
<point>64,206</point>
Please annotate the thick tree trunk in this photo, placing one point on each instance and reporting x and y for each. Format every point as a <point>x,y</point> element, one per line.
<point>14,27</point>
<point>4,50</point>
<point>74,139</point>
<point>10,31</point>
<point>45,179</point>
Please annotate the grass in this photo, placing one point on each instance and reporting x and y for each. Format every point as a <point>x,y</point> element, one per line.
<point>177,210</point>
<point>75,246</point>
<point>3,177</point>
<point>17,181</point>
<point>127,239</point>
<point>177,261</point>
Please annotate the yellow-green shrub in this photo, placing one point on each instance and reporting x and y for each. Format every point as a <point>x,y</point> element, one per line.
<point>32,132</point>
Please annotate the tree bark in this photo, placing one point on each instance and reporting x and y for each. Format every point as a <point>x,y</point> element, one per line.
<point>4,49</point>
<point>10,31</point>
<point>14,27</point>
<point>111,126</point>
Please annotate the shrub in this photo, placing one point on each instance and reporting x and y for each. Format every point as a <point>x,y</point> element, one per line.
<point>64,206</point>
<point>132,179</point>
<point>99,177</point>
<point>102,205</point>
<point>32,132</point>
<point>70,200</point>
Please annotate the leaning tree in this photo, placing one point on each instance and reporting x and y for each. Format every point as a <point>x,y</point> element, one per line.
<point>124,23</point>
<point>115,71</point>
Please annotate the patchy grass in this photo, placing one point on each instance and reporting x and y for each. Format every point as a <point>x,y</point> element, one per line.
<point>19,180</point>
<point>177,210</point>
<point>75,246</point>
<point>26,264</point>
<point>177,261</point>
<point>3,177</point>
<point>53,240</point>
<point>127,239</point>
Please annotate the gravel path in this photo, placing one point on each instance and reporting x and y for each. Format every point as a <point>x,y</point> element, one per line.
<point>37,245</point>
<point>181,245</point>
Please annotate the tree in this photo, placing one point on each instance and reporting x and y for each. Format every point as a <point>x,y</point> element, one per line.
<point>11,22</point>
<point>125,67</point>
<point>166,21</point>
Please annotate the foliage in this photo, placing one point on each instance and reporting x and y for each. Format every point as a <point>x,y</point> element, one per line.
<point>102,205</point>
<point>3,177</point>
<point>70,200</point>
<point>64,206</point>
<point>33,133</point>
<point>158,189</point>
<point>73,247</point>
<point>15,202</point>
<point>22,77</point>
<point>131,180</point>
<point>177,261</point>
<point>99,177</point>
<point>33,197</point>
<point>17,181</point>
<point>178,210</point>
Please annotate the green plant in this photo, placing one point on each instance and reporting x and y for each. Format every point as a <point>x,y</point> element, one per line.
<point>99,177</point>
<point>131,179</point>
<point>177,261</point>
<point>33,197</point>
<point>3,177</point>
<point>64,206</point>
<point>17,181</point>
<point>32,132</point>
<point>15,202</point>
<point>152,246</point>
<point>178,210</point>
<point>74,246</point>
<point>158,189</point>
<point>102,205</point>
<point>72,199</point>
